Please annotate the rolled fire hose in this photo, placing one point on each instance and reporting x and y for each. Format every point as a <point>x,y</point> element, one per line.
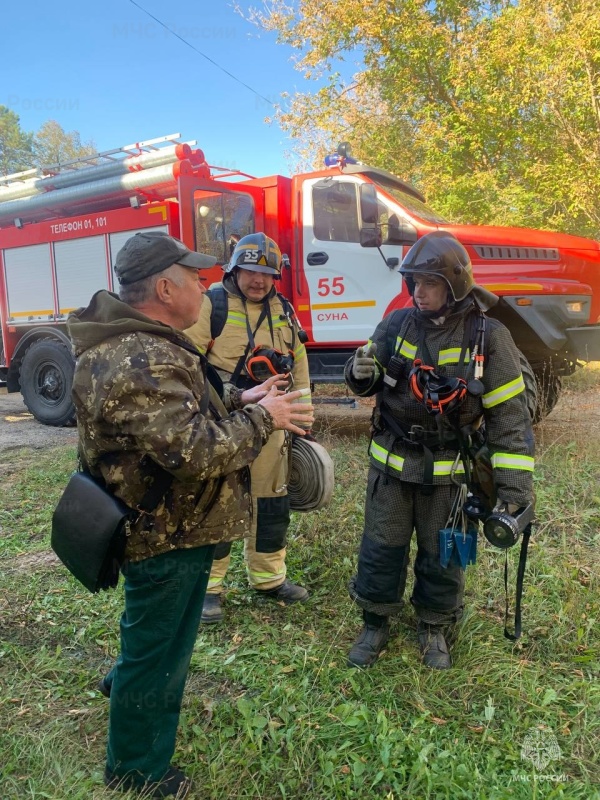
<point>310,484</point>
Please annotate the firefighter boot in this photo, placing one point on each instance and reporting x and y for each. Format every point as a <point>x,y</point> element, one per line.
<point>370,642</point>
<point>287,593</point>
<point>212,610</point>
<point>433,646</point>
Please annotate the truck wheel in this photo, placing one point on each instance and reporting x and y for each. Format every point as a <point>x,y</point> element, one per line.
<point>46,379</point>
<point>531,390</point>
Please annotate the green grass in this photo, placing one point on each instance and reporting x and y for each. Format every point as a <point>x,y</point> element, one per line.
<point>271,711</point>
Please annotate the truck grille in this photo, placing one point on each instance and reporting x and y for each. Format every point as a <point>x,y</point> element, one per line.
<point>497,252</point>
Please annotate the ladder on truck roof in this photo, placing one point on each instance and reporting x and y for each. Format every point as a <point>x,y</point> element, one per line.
<point>94,159</point>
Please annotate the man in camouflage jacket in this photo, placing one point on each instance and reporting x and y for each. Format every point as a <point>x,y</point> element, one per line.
<point>145,408</point>
<point>411,485</point>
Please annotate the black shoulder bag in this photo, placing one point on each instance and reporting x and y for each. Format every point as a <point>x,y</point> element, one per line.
<point>89,527</point>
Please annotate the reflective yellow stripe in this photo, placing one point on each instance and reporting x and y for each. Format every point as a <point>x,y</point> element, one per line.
<point>511,461</point>
<point>406,348</point>
<point>397,462</point>
<point>445,467</point>
<point>300,351</point>
<point>384,457</point>
<point>503,393</point>
<point>451,356</point>
<point>237,319</point>
<point>266,576</point>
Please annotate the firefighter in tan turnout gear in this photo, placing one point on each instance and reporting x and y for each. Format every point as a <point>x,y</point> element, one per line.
<point>249,331</point>
<point>438,370</point>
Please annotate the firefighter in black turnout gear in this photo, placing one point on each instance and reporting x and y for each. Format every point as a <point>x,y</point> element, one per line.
<point>441,372</point>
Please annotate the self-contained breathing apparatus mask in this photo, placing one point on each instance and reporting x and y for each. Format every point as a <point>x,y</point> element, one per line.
<point>439,394</point>
<point>264,362</point>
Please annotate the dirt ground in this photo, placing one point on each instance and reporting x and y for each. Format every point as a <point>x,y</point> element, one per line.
<point>18,428</point>
<point>346,416</point>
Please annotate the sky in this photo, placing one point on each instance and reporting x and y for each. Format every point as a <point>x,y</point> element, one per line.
<point>107,70</point>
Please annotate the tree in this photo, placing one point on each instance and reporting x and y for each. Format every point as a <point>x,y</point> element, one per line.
<point>15,145</point>
<point>53,145</point>
<point>492,109</point>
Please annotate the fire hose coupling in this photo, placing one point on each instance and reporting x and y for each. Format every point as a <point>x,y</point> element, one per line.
<point>502,529</point>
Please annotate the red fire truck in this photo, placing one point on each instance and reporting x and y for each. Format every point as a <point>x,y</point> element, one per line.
<point>345,228</point>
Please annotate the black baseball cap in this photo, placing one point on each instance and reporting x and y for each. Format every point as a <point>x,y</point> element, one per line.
<point>146,254</point>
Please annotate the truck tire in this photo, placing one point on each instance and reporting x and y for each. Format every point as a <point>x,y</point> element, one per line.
<point>531,390</point>
<point>46,379</point>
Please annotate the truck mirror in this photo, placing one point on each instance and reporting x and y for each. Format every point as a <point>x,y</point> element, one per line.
<point>370,237</point>
<point>400,232</point>
<point>369,211</point>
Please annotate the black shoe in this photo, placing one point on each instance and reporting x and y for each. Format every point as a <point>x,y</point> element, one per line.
<point>433,646</point>
<point>104,687</point>
<point>369,645</point>
<point>287,593</point>
<point>212,610</point>
<point>173,784</point>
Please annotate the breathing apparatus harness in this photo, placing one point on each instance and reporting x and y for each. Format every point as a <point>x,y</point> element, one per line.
<point>260,362</point>
<point>443,397</point>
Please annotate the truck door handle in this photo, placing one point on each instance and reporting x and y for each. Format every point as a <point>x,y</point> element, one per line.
<point>316,259</point>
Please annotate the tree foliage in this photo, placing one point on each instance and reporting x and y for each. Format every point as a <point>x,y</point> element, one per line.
<point>16,146</point>
<point>50,145</point>
<point>491,108</point>
<point>53,145</point>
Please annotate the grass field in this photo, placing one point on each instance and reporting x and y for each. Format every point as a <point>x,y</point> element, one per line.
<point>271,711</point>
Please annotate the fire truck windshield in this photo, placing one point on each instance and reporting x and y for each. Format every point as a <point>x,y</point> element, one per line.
<point>408,201</point>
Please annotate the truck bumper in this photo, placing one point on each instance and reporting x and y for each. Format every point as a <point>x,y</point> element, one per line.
<point>584,342</point>
<point>550,319</point>
<point>327,366</point>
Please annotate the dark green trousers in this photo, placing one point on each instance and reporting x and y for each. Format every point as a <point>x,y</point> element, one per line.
<point>163,604</point>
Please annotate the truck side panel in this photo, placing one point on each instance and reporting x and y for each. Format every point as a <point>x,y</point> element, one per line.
<point>29,285</point>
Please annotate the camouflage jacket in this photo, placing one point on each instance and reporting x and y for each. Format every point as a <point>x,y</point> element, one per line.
<point>138,390</point>
<point>502,404</point>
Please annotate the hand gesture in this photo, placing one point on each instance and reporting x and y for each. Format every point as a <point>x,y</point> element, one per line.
<point>256,393</point>
<point>363,366</point>
<point>288,414</point>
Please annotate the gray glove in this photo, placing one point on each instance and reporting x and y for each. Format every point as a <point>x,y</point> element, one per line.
<point>363,366</point>
<point>503,507</point>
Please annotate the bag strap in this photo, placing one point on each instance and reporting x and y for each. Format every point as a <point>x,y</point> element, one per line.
<point>519,590</point>
<point>264,314</point>
<point>160,485</point>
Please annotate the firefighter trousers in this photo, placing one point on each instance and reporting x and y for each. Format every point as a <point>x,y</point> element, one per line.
<point>393,510</point>
<point>163,604</point>
<point>264,549</point>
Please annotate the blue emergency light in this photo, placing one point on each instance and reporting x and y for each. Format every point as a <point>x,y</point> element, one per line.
<point>342,154</point>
